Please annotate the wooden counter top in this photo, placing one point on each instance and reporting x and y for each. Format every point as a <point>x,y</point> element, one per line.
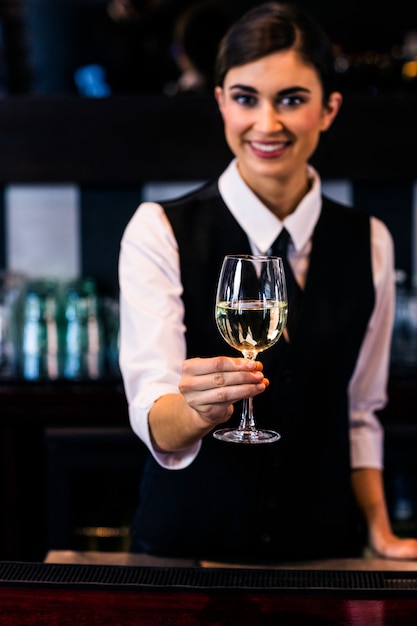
<point>368,563</point>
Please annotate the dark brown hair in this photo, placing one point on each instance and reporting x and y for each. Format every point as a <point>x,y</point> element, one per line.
<point>272,27</point>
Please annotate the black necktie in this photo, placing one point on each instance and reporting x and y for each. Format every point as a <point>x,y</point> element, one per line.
<point>294,292</point>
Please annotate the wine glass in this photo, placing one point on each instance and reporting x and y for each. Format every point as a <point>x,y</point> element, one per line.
<point>251,314</point>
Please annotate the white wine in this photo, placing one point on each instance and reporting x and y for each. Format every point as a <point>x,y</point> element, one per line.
<point>251,326</point>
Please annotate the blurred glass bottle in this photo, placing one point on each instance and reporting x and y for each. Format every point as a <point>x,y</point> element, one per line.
<point>11,290</point>
<point>112,323</point>
<point>404,338</point>
<point>83,337</point>
<point>40,344</point>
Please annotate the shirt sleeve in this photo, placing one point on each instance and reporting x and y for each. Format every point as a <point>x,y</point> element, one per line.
<point>368,386</point>
<point>152,332</point>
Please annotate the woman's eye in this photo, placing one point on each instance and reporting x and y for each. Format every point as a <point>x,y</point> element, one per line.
<point>245,99</point>
<point>291,101</point>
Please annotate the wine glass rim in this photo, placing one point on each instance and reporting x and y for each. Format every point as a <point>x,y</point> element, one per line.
<point>252,257</point>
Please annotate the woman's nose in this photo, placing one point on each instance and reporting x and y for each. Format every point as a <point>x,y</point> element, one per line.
<point>268,119</point>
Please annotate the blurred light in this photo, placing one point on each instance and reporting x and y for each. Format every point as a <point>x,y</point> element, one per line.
<point>409,69</point>
<point>91,81</point>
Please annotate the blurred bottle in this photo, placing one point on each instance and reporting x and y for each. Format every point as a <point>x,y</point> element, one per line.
<point>84,350</point>
<point>404,338</point>
<point>40,343</point>
<point>112,323</point>
<point>11,290</point>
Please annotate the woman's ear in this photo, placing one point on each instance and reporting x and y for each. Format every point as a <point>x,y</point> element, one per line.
<point>331,109</point>
<point>219,95</point>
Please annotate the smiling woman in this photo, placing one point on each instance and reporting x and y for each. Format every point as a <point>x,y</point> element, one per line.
<point>274,110</point>
<point>318,492</point>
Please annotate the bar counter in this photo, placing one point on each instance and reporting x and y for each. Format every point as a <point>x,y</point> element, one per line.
<point>121,589</point>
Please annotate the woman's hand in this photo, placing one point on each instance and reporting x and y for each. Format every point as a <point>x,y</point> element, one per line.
<point>368,488</point>
<point>389,546</point>
<point>210,386</point>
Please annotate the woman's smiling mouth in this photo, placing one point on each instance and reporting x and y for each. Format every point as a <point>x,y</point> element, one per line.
<point>268,149</point>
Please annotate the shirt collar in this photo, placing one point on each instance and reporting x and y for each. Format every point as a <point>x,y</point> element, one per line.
<point>259,223</point>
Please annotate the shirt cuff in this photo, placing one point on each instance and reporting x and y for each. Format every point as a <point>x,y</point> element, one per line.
<point>169,460</point>
<point>367,446</point>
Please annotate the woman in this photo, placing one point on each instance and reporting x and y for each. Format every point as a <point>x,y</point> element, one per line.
<point>308,495</point>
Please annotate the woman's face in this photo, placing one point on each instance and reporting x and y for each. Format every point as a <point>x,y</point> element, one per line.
<point>273,115</point>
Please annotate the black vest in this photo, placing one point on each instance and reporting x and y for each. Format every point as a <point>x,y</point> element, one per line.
<point>291,499</point>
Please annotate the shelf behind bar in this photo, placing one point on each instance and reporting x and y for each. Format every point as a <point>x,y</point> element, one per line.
<point>125,139</point>
<point>63,403</point>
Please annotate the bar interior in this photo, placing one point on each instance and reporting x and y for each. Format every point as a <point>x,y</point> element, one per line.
<point>82,143</point>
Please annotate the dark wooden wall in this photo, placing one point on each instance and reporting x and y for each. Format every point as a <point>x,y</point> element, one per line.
<point>110,147</point>
<point>124,140</point>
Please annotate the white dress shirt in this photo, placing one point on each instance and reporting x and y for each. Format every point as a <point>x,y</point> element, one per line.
<point>152,345</point>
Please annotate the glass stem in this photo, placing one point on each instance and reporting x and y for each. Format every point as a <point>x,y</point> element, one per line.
<point>247,420</point>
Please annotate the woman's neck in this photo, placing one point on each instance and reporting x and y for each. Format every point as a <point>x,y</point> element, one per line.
<point>281,196</point>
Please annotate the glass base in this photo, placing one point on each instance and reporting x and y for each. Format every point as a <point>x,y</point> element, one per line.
<point>255,436</point>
